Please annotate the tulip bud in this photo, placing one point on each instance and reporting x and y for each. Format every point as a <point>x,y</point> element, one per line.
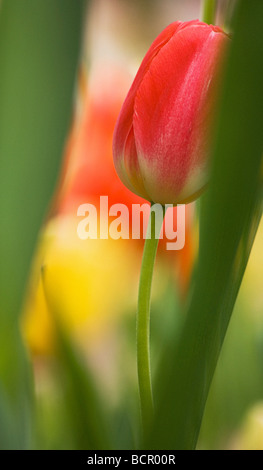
<point>162,137</point>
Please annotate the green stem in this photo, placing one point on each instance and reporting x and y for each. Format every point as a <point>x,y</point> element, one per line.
<point>143,318</point>
<point>209,11</point>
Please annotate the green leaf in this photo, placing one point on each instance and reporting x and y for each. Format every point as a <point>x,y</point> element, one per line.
<point>84,405</point>
<point>39,50</point>
<point>230,214</point>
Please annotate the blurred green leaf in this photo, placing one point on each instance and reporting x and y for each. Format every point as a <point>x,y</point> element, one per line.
<point>238,381</point>
<point>39,51</point>
<point>230,214</point>
<point>87,415</point>
<point>85,407</point>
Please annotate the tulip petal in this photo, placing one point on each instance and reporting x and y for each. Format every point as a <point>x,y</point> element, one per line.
<point>124,123</point>
<point>173,113</point>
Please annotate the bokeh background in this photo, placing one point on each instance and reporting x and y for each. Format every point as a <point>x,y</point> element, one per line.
<point>67,305</point>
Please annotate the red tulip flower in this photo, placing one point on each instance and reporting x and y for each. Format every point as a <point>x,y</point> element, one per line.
<point>162,139</point>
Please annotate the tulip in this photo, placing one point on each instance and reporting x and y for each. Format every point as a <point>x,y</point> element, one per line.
<point>162,137</point>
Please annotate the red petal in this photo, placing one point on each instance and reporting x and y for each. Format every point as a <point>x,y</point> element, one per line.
<point>171,111</point>
<point>124,122</point>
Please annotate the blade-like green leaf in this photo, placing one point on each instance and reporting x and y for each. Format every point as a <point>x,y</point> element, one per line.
<point>229,218</point>
<point>39,50</point>
<point>85,408</point>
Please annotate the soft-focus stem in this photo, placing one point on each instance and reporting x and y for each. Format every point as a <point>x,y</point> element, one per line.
<point>143,319</point>
<point>209,11</point>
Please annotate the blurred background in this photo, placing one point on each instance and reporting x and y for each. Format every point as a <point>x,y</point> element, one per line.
<point>65,75</point>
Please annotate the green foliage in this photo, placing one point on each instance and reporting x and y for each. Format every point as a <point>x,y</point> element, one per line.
<point>39,49</point>
<point>229,217</point>
<point>85,410</point>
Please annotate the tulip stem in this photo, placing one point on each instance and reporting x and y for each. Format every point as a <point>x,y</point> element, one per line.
<point>209,11</point>
<point>143,316</point>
